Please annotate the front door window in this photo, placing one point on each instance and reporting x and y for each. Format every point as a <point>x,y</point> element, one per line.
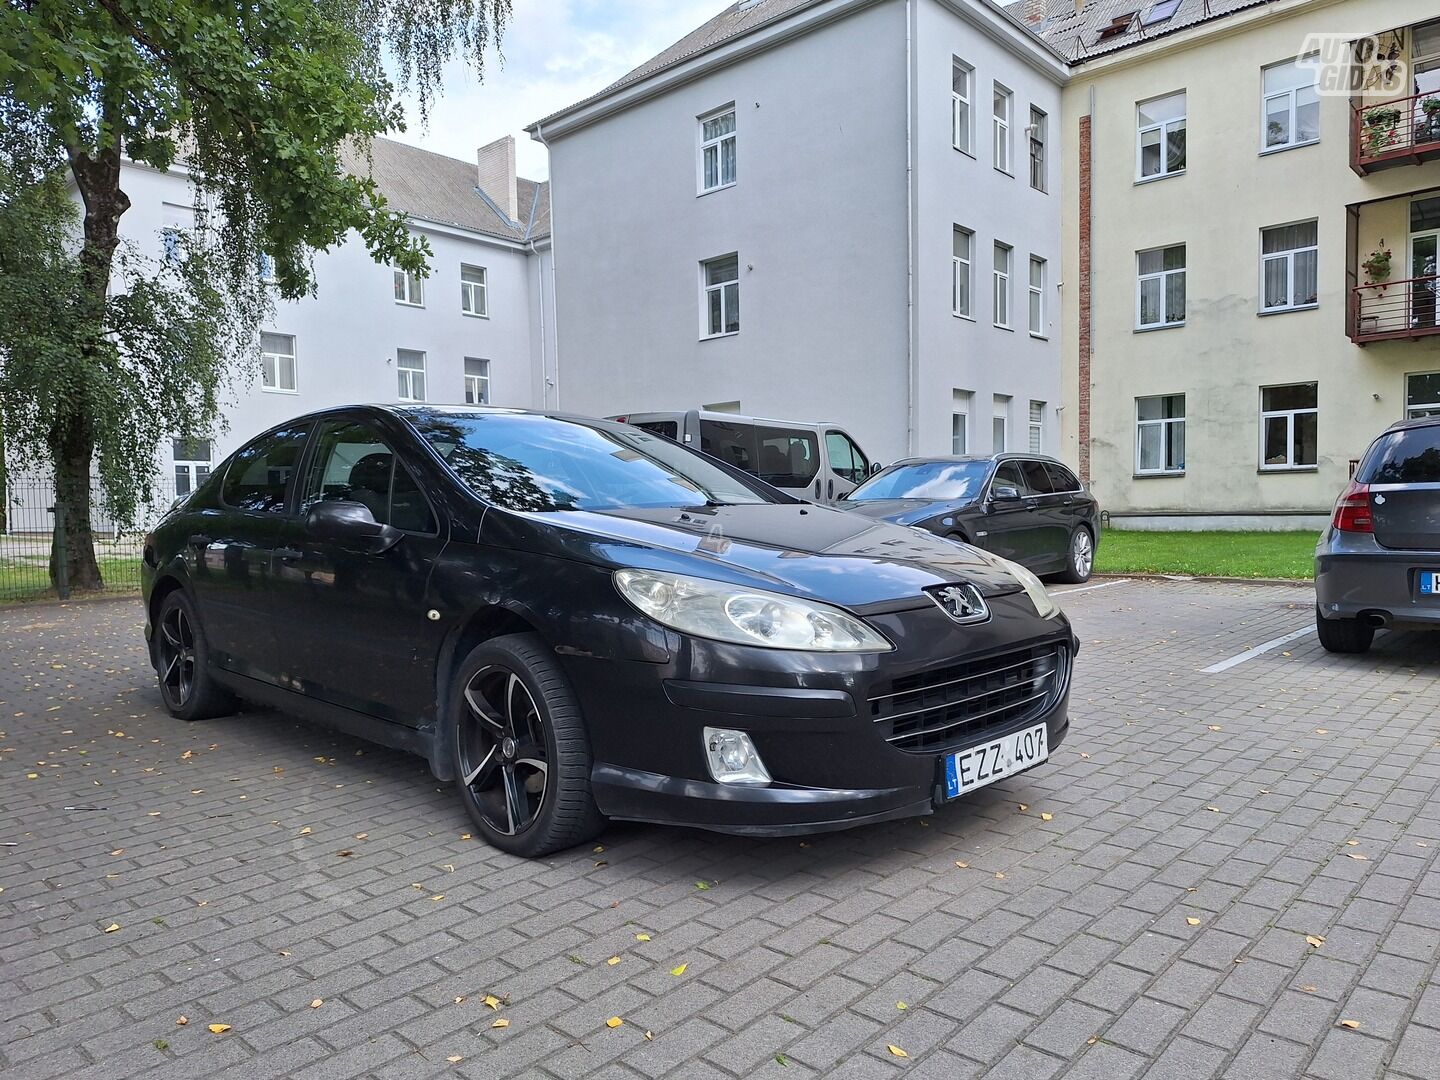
<point>353,464</point>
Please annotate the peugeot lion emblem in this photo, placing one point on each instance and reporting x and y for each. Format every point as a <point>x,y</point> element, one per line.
<point>963,603</point>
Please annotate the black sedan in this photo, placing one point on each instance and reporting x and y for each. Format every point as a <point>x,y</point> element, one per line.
<point>577,620</point>
<point>1024,507</point>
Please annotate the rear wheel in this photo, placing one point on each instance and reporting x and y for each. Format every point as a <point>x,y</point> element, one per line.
<point>188,689</point>
<point>1343,635</point>
<point>1080,558</point>
<point>521,753</point>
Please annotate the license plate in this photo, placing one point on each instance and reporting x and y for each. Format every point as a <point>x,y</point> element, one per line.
<point>969,769</point>
<point>1429,582</point>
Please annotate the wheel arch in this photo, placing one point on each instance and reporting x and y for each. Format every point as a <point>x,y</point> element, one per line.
<point>165,584</point>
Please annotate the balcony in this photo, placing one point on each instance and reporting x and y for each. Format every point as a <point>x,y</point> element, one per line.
<point>1385,134</point>
<point>1395,310</point>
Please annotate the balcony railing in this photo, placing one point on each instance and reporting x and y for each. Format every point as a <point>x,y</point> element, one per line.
<point>1395,309</point>
<point>1401,132</point>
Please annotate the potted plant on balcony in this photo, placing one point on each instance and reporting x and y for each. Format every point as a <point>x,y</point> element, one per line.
<point>1377,266</point>
<point>1430,106</point>
<point>1381,128</point>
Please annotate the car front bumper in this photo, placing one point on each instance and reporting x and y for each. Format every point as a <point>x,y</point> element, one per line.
<point>1357,578</point>
<point>843,736</point>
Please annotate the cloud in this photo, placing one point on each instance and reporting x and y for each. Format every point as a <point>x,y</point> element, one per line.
<point>555,53</point>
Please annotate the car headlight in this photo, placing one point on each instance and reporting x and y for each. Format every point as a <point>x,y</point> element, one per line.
<point>713,609</point>
<point>1045,606</point>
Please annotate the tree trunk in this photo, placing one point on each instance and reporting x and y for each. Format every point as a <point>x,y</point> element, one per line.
<point>72,438</point>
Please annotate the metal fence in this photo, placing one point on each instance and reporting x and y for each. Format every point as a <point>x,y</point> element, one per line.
<point>27,527</point>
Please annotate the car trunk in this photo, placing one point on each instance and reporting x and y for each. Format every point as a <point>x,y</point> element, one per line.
<point>1407,517</point>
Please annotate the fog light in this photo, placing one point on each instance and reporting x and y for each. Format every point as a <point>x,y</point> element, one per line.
<point>732,757</point>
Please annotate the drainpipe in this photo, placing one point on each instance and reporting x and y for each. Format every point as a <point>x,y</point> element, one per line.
<point>545,381</point>
<point>912,359</point>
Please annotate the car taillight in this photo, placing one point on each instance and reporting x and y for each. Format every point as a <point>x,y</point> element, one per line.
<point>1352,510</point>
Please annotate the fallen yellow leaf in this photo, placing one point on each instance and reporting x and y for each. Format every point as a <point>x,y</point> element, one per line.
<point>459,1000</point>
<point>306,831</point>
<point>1213,809</point>
<point>1353,1025</point>
<point>1193,921</point>
<point>901,1006</point>
<point>613,961</point>
<point>1023,807</point>
<point>362,836</point>
<point>1315,939</point>
<point>112,928</point>
<point>181,1021</point>
<point>438,896</point>
<point>649,1035</point>
<point>1357,856</point>
<point>219,1029</point>
<point>896,1050</point>
<point>614,1022</point>
<point>501,1023</point>
<point>118,851</point>
<point>598,848</point>
<point>1323,731</point>
<point>962,865</point>
<point>642,937</point>
<point>454,1058</point>
<point>1047,817</point>
<point>999,877</point>
<point>492,1001</point>
<point>1352,843</point>
<point>1215,727</point>
<point>317,1003</point>
<point>679,970</point>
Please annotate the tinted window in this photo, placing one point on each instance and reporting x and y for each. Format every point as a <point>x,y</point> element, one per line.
<point>1061,478</point>
<point>521,461</point>
<point>259,475</point>
<point>353,464</point>
<point>785,457</point>
<point>1404,457</point>
<point>1036,477</point>
<point>1009,475</point>
<point>668,428</point>
<point>846,459</point>
<point>947,480</point>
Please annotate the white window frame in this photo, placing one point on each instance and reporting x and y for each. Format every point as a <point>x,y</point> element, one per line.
<point>1000,410</point>
<point>1164,127</point>
<point>1036,307</point>
<point>1037,427</point>
<point>191,466</point>
<point>406,381</point>
<point>962,110</point>
<point>1163,276</point>
<point>1424,408</point>
<point>1291,109</point>
<point>962,267</point>
<point>1038,135</point>
<point>1289,256</point>
<point>276,359</point>
<point>1004,150</point>
<point>960,421</point>
<point>411,287</point>
<point>477,387</point>
<point>706,288</point>
<point>1164,435</point>
<point>475,295</point>
<point>717,144</point>
<point>1289,464</point>
<point>1000,280</point>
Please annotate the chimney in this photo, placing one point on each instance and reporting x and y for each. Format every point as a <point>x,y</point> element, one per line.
<point>496,175</point>
<point>1032,12</point>
<point>1079,6</point>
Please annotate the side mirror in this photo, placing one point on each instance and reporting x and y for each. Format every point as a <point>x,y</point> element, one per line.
<point>1004,494</point>
<point>875,467</point>
<point>352,526</point>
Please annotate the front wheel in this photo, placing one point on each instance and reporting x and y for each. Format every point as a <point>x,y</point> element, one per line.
<point>1343,635</point>
<point>188,689</point>
<point>522,757</point>
<point>1080,558</point>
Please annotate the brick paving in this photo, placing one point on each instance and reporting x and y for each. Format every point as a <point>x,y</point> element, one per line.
<point>1155,924</point>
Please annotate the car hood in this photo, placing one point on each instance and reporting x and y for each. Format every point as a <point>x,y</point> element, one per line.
<point>904,511</point>
<point>814,551</point>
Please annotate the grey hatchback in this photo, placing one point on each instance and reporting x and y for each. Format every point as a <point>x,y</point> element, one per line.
<point>1378,562</point>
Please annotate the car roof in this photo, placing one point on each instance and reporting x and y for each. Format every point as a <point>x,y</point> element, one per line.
<point>1415,422</point>
<point>1006,456</point>
<point>710,414</point>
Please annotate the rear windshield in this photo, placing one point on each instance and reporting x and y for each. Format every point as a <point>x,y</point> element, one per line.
<point>1411,456</point>
<point>521,461</point>
<point>947,480</point>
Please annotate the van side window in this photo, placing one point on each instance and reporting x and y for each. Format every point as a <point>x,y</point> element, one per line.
<point>788,457</point>
<point>668,428</point>
<point>733,444</point>
<point>846,459</point>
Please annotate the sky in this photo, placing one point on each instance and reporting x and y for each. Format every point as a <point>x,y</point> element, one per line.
<point>554,53</point>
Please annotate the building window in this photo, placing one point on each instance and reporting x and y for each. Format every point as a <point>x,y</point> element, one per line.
<point>721,281</point>
<point>961,271</point>
<point>474,293</point>
<point>1037,296</point>
<point>1004,100</point>
<point>477,381</point>
<point>1160,137</point>
<point>1000,424</point>
<point>1036,131</point>
<point>1160,434</point>
<point>1422,395</point>
<point>277,363</point>
<point>1002,285</point>
<point>1288,262</point>
<point>1037,427</point>
<point>409,289</point>
<point>962,120</point>
<point>717,150</point>
<point>410,366</point>
<point>1160,289</point>
<point>265,267</point>
<point>960,422</point>
<point>192,464</point>
<point>1292,109</point>
<point>176,221</point>
<point>1288,421</point>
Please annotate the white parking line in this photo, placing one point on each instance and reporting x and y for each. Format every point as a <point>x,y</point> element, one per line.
<point>1258,650</point>
<point>1087,588</point>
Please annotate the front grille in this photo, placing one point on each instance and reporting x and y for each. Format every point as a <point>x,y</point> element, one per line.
<point>946,707</point>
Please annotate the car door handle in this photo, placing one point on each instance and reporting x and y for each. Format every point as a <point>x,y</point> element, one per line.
<point>289,554</point>
<point>829,489</point>
<point>817,489</point>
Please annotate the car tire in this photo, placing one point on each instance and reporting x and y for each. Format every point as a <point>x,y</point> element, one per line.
<point>1079,558</point>
<point>522,755</point>
<point>182,663</point>
<point>1343,635</point>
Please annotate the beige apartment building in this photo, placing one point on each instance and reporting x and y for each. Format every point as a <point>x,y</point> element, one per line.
<point>1233,335</point>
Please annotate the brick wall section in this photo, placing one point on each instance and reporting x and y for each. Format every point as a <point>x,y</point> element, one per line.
<point>1082,394</point>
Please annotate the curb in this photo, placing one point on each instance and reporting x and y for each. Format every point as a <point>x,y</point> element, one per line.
<point>1207,578</point>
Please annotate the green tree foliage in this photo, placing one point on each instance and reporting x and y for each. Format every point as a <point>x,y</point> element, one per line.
<point>263,102</point>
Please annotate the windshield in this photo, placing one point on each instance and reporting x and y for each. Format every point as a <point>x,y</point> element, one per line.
<point>930,480</point>
<point>521,461</point>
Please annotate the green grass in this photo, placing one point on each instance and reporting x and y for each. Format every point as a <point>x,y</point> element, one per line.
<point>28,578</point>
<point>1208,554</point>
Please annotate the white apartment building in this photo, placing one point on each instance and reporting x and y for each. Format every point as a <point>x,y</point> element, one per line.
<point>841,210</point>
<point>480,328</point>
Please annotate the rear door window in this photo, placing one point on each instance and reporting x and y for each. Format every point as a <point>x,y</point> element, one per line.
<point>258,478</point>
<point>1411,456</point>
<point>1061,478</point>
<point>1036,477</point>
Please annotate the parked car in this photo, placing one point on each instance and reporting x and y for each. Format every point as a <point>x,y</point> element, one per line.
<point>577,620</point>
<point>1024,507</point>
<point>1378,562</point>
<point>820,462</point>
